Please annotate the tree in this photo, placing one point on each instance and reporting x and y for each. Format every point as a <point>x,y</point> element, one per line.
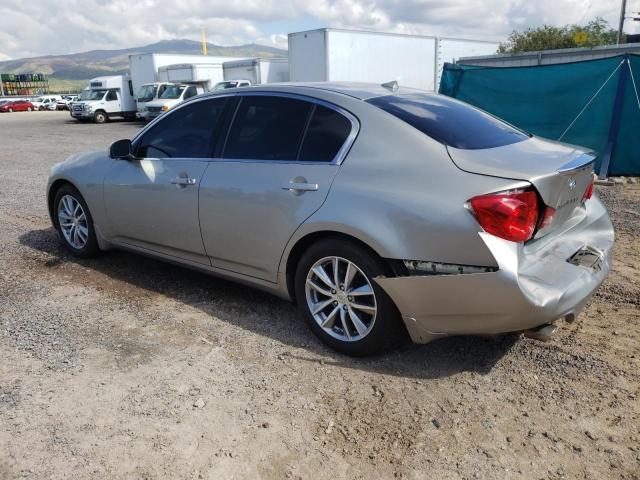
<point>596,32</point>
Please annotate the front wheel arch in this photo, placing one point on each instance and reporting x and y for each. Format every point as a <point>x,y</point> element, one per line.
<point>51,196</point>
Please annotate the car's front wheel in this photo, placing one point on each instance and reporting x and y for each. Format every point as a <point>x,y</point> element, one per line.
<point>74,223</point>
<point>100,117</point>
<point>341,302</point>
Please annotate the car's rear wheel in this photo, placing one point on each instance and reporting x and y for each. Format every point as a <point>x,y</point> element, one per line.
<point>100,117</point>
<point>10,110</point>
<point>74,223</point>
<point>341,302</point>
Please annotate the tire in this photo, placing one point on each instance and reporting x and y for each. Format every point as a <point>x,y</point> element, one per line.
<point>10,110</point>
<point>89,246</point>
<point>378,331</point>
<point>41,109</point>
<point>100,117</point>
<point>29,109</point>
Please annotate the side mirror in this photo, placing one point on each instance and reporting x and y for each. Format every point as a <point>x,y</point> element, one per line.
<point>121,149</point>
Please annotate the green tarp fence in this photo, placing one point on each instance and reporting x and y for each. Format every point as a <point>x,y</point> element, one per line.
<point>593,103</point>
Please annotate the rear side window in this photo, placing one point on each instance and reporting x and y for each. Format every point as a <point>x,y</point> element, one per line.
<point>267,128</point>
<point>188,132</point>
<point>450,121</point>
<point>326,133</point>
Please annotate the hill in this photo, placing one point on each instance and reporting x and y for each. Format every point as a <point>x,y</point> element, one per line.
<point>76,67</point>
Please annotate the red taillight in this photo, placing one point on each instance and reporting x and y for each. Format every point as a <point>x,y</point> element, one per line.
<point>589,191</point>
<point>512,215</point>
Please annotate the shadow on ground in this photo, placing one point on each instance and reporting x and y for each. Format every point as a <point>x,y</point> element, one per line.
<point>267,315</point>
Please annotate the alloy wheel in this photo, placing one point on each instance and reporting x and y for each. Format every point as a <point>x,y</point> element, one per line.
<point>73,222</point>
<point>341,298</point>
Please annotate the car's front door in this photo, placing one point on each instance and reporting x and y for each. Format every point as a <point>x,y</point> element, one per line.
<point>152,201</point>
<point>278,163</point>
<point>112,101</point>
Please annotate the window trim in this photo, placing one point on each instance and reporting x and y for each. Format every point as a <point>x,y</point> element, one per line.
<point>135,141</point>
<point>337,160</point>
<point>339,157</point>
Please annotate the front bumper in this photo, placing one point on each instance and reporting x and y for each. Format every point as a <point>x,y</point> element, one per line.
<point>81,114</point>
<point>534,284</point>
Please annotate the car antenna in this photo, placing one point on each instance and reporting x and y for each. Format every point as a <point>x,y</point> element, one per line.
<point>392,85</point>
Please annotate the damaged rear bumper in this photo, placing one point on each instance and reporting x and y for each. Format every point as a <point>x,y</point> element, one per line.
<point>534,285</point>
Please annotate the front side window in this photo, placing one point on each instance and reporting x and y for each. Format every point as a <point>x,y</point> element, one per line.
<point>448,121</point>
<point>187,132</point>
<point>326,133</point>
<point>267,128</point>
<point>191,92</point>
<point>112,95</point>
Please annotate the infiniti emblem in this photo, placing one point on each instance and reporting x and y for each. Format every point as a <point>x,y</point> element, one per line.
<point>572,184</point>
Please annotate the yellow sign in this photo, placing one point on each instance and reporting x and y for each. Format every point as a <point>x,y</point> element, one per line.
<point>580,37</point>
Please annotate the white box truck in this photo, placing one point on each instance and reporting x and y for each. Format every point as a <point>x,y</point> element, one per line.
<point>361,56</point>
<point>203,74</point>
<point>257,70</point>
<point>106,98</point>
<point>144,68</point>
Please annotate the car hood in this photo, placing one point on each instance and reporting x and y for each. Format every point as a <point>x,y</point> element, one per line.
<point>162,103</point>
<point>76,160</point>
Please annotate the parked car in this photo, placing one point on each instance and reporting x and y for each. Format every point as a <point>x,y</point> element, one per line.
<point>46,102</point>
<point>375,209</point>
<point>172,96</point>
<point>16,106</point>
<point>231,84</point>
<point>65,102</point>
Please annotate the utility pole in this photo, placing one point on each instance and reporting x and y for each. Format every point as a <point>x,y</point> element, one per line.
<point>623,9</point>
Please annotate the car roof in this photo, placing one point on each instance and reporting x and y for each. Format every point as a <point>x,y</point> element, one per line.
<point>358,90</point>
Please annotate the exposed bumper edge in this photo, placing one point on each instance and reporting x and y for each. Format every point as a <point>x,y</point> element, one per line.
<point>534,285</point>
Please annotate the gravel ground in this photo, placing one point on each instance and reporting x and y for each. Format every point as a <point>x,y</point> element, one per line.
<point>125,367</point>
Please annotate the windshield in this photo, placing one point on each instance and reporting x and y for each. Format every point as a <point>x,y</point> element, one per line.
<point>225,85</point>
<point>84,95</point>
<point>174,91</point>
<point>96,94</point>
<point>146,93</point>
<point>39,100</point>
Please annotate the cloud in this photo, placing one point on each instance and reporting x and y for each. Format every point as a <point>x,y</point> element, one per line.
<point>42,27</point>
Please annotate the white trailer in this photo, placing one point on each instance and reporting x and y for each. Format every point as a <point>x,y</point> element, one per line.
<point>257,70</point>
<point>360,56</point>
<point>204,74</point>
<point>144,66</point>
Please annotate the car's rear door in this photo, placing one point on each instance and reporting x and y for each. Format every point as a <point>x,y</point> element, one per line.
<point>152,201</point>
<point>279,160</point>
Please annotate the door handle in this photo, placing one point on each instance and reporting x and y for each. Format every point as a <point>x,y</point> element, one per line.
<point>300,187</point>
<point>183,181</point>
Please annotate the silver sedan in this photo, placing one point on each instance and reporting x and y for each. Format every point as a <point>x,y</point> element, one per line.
<point>380,211</point>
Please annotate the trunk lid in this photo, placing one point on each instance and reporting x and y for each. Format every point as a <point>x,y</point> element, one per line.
<point>560,173</point>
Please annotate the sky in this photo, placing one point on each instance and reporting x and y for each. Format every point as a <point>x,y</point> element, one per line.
<point>42,27</point>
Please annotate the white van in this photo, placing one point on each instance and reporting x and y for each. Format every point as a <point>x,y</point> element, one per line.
<point>149,92</point>
<point>107,97</point>
<point>172,96</point>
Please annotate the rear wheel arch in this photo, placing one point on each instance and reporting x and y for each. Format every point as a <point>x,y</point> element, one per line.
<point>303,244</point>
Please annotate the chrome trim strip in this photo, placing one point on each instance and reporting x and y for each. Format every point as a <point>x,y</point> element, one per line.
<point>577,163</point>
<point>346,146</point>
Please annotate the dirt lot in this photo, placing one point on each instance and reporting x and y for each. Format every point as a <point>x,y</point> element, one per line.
<point>125,367</point>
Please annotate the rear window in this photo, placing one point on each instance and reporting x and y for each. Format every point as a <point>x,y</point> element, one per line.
<point>450,121</point>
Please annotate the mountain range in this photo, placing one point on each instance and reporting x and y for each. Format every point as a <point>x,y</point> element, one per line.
<point>85,65</point>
